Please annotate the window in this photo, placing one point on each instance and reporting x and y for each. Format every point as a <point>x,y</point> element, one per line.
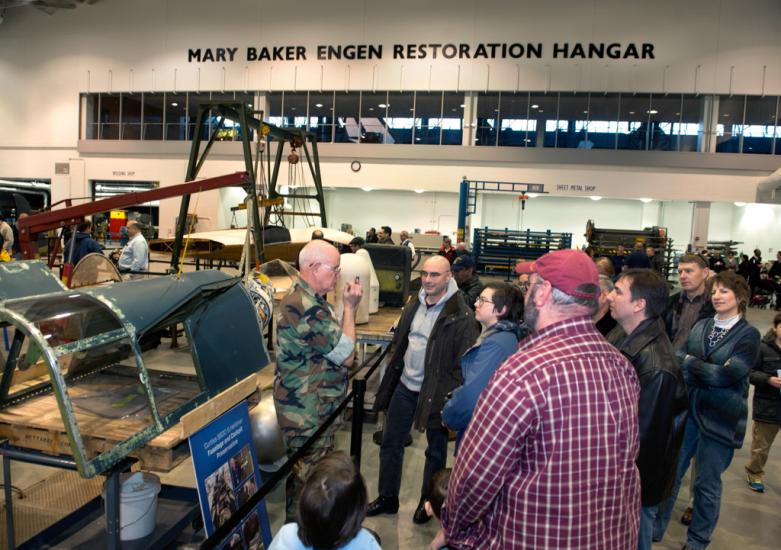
<point>347,108</point>
<point>730,127</point>
<point>131,116</point>
<point>664,112</point>
<point>321,115</point>
<point>153,116</point>
<point>175,116</point>
<point>542,107</point>
<point>452,118</point>
<point>573,116</point>
<point>428,115</point>
<point>516,127</point>
<point>400,118</point>
<point>487,119</point>
<point>109,116</point>
<point>602,128</point>
<point>294,108</point>
<point>690,131</point>
<point>633,121</point>
<point>374,108</point>
<point>760,125</point>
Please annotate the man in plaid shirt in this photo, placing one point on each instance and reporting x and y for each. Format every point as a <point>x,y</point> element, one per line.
<point>548,460</point>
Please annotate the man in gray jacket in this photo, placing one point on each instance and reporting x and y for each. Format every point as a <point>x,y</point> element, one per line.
<point>434,332</point>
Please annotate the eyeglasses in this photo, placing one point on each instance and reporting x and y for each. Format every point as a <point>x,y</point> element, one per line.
<point>332,269</point>
<point>481,300</point>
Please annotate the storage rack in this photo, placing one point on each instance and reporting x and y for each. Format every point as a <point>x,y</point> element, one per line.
<point>497,250</point>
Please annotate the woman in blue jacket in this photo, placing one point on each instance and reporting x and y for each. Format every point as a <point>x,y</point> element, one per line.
<point>716,362</point>
<point>499,308</point>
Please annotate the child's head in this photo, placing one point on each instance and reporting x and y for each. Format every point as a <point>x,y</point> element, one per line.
<point>332,503</point>
<point>437,492</point>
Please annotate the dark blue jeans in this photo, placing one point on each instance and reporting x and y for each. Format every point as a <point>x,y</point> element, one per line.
<point>713,458</point>
<point>398,423</point>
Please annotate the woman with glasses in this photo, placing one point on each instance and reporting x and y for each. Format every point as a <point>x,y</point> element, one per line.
<point>716,361</point>
<point>499,309</point>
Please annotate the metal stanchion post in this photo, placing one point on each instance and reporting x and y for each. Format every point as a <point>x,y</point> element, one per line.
<point>9,503</point>
<point>359,392</point>
<point>112,510</point>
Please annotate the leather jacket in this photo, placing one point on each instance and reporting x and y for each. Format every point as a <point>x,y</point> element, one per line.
<point>454,332</point>
<point>767,399</point>
<point>662,407</point>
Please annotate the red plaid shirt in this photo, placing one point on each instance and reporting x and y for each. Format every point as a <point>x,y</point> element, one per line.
<point>548,460</point>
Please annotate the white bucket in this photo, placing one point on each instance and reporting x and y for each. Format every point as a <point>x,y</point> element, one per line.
<point>137,504</point>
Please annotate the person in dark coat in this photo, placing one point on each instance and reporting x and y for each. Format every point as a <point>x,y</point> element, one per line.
<point>468,282</point>
<point>716,362</point>
<point>434,331</point>
<point>766,377</point>
<point>638,258</point>
<point>602,318</point>
<point>636,303</point>
<point>84,244</point>
<point>618,260</point>
<point>692,303</point>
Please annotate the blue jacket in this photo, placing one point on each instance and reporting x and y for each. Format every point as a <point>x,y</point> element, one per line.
<point>84,245</point>
<point>478,364</point>
<point>718,382</point>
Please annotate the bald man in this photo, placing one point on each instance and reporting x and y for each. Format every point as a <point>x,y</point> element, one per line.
<point>314,351</point>
<point>434,332</point>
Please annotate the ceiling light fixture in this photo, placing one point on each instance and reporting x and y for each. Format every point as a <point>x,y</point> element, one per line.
<point>174,104</point>
<point>740,204</point>
<point>652,112</point>
<point>318,105</point>
<point>368,189</point>
<point>382,105</point>
<point>645,200</point>
<point>535,106</point>
<point>595,198</point>
<point>419,191</point>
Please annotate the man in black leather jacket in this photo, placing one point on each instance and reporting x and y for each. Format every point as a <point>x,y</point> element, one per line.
<point>636,303</point>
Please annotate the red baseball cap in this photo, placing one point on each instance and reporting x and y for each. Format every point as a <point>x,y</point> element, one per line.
<point>565,270</point>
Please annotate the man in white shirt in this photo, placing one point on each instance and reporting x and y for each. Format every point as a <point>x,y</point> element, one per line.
<point>134,258</point>
<point>406,241</point>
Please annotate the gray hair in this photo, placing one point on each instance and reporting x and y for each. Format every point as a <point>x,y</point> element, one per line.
<point>566,302</point>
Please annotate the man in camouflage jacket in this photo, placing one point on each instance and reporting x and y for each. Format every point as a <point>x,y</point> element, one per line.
<point>314,351</point>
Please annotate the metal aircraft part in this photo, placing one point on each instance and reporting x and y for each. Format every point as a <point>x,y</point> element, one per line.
<point>87,348</point>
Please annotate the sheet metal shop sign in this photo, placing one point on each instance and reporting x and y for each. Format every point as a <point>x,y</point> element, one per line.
<point>461,51</point>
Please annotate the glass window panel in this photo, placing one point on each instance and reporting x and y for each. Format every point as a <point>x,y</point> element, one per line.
<point>515,125</point>
<point>730,125</point>
<point>92,116</point>
<point>633,125</point>
<point>690,132</point>
<point>294,110</point>
<point>452,118</point>
<point>131,116</point>
<point>428,114</point>
<point>374,107</point>
<point>153,116</point>
<point>321,115</point>
<point>175,117</point>
<point>542,107</point>
<point>573,121</point>
<point>603,121</point>
<point>665,111</point>
<point>194,100</point>
<point>487,118</point>
<point>109,116</point>
<point>760,125</point>
<point>347,113</point>
<point>400,117</point>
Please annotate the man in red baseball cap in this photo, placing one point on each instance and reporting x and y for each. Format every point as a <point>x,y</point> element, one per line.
<point>548,460</point>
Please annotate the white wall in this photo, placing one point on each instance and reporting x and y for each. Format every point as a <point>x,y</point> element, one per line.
<point>45,61</point>
<point>757,226</point>
<point>676,216</point>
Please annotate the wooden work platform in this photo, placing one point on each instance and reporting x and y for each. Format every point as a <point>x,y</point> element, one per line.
<point>36,423</point>
<point>378,329</point>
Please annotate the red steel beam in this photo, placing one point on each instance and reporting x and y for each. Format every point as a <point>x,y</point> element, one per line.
<point>30,226</point>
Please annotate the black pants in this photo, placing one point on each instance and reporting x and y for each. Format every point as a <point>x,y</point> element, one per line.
<point>398,423</point>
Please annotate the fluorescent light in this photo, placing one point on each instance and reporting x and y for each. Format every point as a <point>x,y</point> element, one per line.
<point>419,191</point>
<point>367,189</point>
<point>535,106</point>
<point>532,195</point>
<point>740,204</point>
<point>174,104</point>
<point>645,200</point>
<point>318,105</point>
<point>595,198</point>
<point>652,112</point>
<point>462,105</point>
<point>382,105</point>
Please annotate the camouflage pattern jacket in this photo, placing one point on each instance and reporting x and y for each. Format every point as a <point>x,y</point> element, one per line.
<point>309,380</point>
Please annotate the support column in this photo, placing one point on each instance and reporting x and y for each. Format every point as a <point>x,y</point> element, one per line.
<point>710,120</point>
<point>700,219</point>
<point>470,119</point>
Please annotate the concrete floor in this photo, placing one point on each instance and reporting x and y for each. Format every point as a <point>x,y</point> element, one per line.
<point>749,521</point>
